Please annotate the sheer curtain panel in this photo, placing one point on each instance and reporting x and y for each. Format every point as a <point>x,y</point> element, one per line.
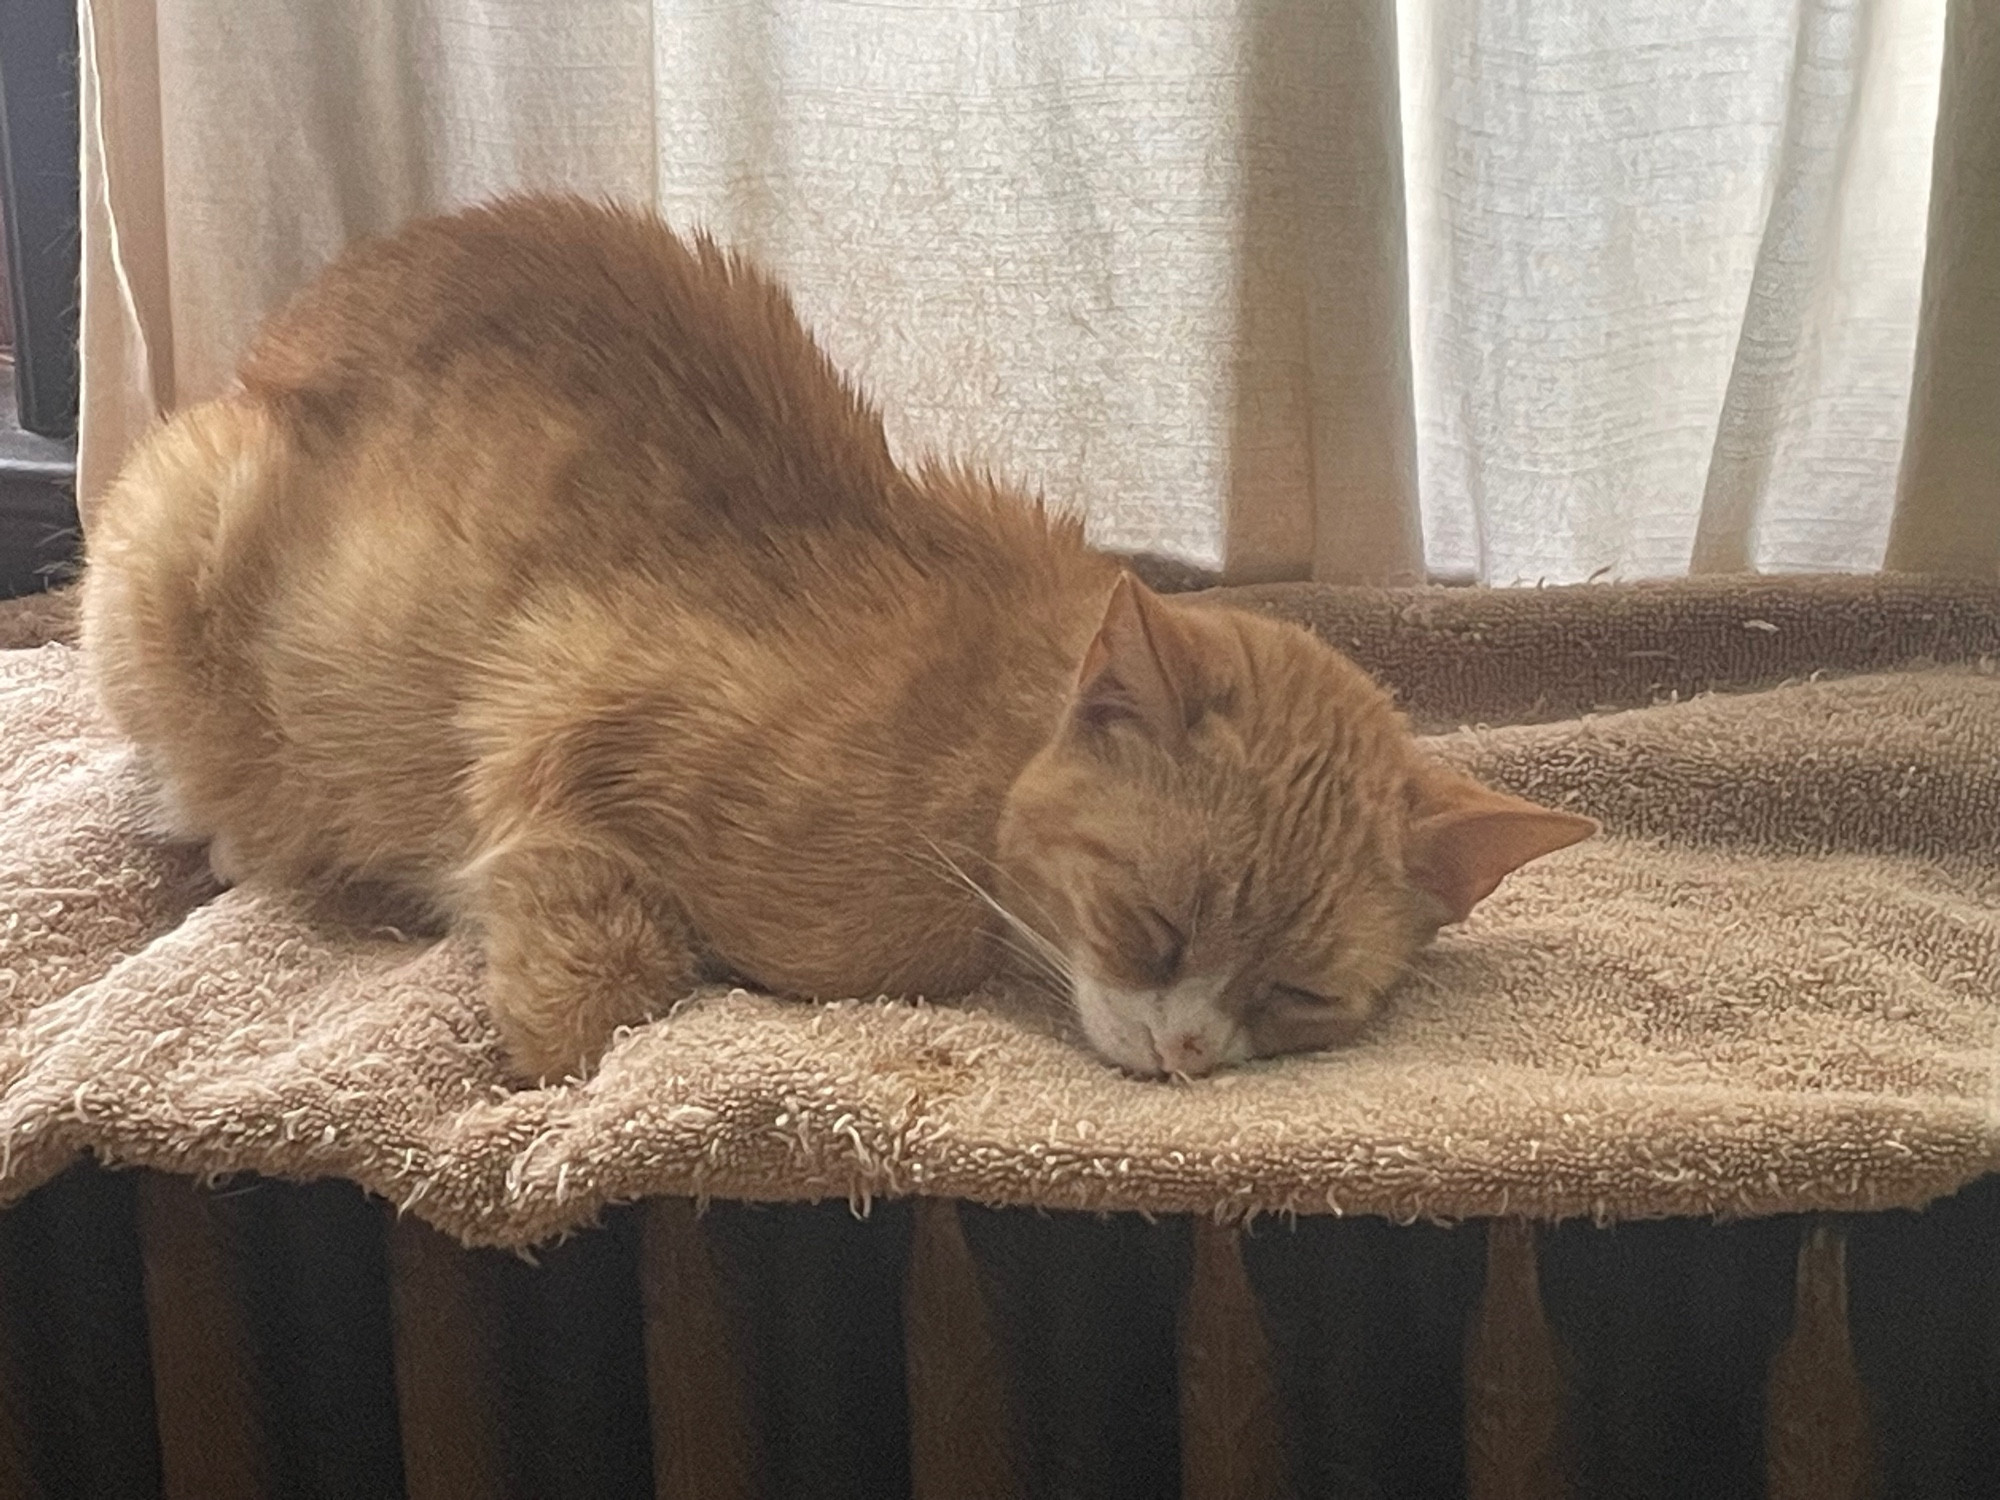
<point>1493,290</point>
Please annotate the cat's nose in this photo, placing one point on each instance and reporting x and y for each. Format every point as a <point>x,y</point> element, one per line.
<point>1187,1052</point>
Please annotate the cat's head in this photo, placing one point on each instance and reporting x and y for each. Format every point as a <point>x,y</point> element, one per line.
<point>1232,846</point>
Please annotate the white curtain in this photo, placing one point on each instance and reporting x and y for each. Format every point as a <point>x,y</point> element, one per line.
<point>1504,289</point>
<point>1666,265</point>
<point>1146,257</point>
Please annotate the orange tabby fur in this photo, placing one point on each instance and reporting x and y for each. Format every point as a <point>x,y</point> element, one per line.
<point>542,566</point>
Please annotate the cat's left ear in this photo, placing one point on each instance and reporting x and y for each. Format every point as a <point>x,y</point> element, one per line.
<point>1138,669</point>
<point>1465,839</point>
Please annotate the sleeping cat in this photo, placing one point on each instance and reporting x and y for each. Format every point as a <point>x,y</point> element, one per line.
<point>542,566</point>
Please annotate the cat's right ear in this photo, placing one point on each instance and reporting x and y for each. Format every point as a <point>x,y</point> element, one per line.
<point>1464,839</point>
<point>1137,669</point>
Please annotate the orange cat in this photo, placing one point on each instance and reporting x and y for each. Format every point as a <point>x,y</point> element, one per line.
<point>542,565</point>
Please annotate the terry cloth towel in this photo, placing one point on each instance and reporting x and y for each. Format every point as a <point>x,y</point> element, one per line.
<point>1773,985</point>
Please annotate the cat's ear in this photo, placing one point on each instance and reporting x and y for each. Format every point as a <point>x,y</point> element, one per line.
<point>1137,669</point>
<point>1465,839</point>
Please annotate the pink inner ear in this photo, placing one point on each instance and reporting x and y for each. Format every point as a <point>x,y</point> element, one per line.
<point>1130,670</point>
<point>1461,854</point>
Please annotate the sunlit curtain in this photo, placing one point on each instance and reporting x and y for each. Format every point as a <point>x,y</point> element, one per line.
<point>1146,257</point>
<point>1666,260</point>
<point>1499,289</point>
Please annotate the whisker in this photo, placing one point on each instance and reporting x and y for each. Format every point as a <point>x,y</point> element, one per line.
<point>1036,964</point>
<point>1053,955</point>
<point>1041,963</point>
<point>970,853</point>
<point>1047,986</point>
<point>1030,956</point>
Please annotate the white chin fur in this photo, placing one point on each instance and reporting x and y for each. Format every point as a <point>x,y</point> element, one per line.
<point>1180,1029</point>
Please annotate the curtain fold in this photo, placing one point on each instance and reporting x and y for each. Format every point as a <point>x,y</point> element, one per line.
<point>1147,258</point>
<point>1485,289</point>
<point>1322,439</point>
<point>1948,507</point>
<point>125,326</point>
<point>1665,267</point>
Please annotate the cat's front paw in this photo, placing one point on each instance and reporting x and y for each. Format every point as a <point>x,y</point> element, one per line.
<point>537,1055</point>
<point>574,951</point>
<point>561,985</point>
<point>555,1022</point>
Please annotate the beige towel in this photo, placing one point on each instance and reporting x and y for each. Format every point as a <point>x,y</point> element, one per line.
<point>1774,985</point>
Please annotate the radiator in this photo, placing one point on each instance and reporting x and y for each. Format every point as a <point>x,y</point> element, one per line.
<point>252,1338</point>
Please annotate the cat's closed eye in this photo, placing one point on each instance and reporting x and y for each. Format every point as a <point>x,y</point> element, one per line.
<point>1289,997</point>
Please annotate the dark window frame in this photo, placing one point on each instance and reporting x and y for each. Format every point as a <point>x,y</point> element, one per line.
<point>40,213</point>
<point>42,203</point>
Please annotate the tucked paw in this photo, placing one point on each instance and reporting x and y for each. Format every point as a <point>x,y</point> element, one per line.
<point>541,1050</point>
<point>557,1008</point>
<point>576,947</point>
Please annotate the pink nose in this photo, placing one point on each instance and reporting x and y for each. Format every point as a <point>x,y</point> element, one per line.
<point>1186,1053</point>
